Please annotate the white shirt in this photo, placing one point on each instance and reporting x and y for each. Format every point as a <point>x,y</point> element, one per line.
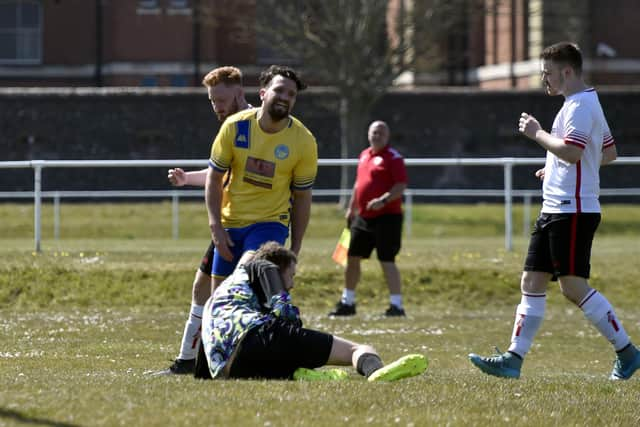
<point>574,188</point>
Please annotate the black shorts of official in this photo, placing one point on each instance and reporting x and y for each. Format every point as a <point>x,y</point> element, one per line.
<point>277,348</point>
<point>561,244</point>
<point>206,266</point>
<point>384,233</point>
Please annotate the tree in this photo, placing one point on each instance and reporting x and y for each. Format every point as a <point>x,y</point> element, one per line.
<point>359,46</point>
<point>346,43</point>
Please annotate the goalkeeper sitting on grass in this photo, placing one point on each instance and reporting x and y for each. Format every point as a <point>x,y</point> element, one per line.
<point>250,329</point>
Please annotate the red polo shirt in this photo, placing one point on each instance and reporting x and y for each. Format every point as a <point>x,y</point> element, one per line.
<point>377,173</point>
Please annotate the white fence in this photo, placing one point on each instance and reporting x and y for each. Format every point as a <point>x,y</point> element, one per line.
<point>507,192</point>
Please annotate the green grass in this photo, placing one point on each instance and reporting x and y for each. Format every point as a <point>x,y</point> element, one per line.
<point>81,323</point>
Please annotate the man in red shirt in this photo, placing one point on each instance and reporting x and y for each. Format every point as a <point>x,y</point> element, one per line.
<point>375,218</point>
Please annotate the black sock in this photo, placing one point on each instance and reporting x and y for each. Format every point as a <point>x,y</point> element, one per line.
<point>623,349</point>
<point>515,354</point>
<point>368,363</point>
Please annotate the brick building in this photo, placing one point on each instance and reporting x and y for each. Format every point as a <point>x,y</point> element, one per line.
<point>123,42</point>
<point>492,44</point>
<point>517,30</point>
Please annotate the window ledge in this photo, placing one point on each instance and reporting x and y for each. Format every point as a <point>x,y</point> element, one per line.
<point>173,11</point>
<point>148,11</point>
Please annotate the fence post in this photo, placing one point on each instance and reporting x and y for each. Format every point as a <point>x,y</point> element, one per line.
<point>175,214</point>
<point>56,215</point>
<point>526,215</point>
<point>408,212</point>
<point>508,208</point>
<point>37,202</point>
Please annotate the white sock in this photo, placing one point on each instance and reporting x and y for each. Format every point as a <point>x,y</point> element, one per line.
<point>599,311</point>
<point>348,296</point>
<point>529,315</point>
<point>396,299</point>
<point>191,334</point>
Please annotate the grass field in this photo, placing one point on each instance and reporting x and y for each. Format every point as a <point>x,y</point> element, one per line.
<point>82,322</point>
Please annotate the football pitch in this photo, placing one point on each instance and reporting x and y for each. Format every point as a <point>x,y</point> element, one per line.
<point>82,324</point>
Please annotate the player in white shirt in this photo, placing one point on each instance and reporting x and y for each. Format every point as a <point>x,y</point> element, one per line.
<point>560,246</point>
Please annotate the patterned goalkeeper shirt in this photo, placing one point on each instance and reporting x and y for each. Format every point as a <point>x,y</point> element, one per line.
<point>231,312</point>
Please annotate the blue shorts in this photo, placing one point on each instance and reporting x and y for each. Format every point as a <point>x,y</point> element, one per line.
<point>246,239</point>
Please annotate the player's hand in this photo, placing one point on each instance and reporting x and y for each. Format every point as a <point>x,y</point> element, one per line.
<point>528,125</point>
<point>540,174</point>
<point>349,217</point>
<point>177,177</point>
<point>375,204</point>
<point>222,241</point>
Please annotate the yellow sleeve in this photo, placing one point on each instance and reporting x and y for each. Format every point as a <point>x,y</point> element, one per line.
<point>304,173</point>
<point>222,148</point>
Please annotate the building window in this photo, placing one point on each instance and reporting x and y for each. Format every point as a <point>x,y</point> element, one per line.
<point>148,7</point>
<point>179,7</point>
<point>20,32</point>
<point>178,4</point>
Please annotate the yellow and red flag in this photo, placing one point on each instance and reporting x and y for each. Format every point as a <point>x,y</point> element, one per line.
<point>342,248</point>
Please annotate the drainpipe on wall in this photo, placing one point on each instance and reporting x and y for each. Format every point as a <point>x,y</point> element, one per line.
<point>196,42</point>
<point>97,79</point>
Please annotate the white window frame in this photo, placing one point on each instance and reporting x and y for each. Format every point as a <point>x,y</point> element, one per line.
<point>148,7</point>
<point>23,35</point>
<point>179,7</point>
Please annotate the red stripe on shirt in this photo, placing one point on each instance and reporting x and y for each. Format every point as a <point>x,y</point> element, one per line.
<point>608,142</point>
<point>578,182</point>
<point>577,144</point>
<point>572,244</point>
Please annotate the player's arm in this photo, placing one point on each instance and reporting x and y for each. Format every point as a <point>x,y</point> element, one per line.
<point>300,214</point>
<point>304,175</point>
<point>179,177</point>
<point>213,197</point>
<point>399,177</point>
<point>395,192</point>
<point>531,128</point>
<point>609,154</point>
<point>219,164</point>
<point>352,206</point>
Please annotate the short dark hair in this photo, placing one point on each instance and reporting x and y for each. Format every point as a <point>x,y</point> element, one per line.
<point>564,53</point>
<point>277,254</point>
<point>281,70</point>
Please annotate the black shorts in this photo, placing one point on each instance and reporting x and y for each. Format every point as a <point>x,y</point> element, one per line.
<point>561,244</point>
<point>277,348</point>
<point>206,266</point>
<point>383,233</point>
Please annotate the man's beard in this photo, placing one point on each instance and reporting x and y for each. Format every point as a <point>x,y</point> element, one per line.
<point>277,113</point>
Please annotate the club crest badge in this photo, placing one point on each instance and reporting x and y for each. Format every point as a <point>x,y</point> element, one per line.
<point>281,152</point>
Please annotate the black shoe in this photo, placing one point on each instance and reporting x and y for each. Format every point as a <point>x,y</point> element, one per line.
<point>394,311</point>
<point>179,367</point>
<point>344,310</point>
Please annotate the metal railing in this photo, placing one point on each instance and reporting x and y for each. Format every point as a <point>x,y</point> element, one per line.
<point>507,192</point>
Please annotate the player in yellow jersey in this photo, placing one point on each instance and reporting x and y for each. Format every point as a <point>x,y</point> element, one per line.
<point>224,87</point>
<point>273,160</point>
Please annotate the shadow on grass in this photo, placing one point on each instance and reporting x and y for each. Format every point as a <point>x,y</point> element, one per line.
<point>11,415</point>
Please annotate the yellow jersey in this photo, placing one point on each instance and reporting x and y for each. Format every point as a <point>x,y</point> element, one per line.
<point>265,168</point>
